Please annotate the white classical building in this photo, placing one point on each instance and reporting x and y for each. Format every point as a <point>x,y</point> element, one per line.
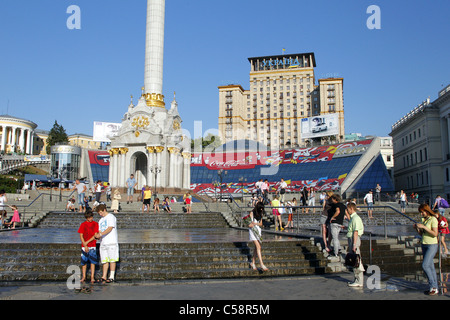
<point>16,135</point>
<point>150,144</point>
<point>421,141</point>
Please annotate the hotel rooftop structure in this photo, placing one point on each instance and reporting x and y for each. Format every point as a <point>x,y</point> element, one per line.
<point>283,104</point>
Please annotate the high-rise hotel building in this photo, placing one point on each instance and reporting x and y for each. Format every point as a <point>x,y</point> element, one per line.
<point>283,93</point>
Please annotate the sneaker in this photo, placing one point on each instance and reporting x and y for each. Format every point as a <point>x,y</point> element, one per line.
<point>432,292</point>
<point>355,284</point>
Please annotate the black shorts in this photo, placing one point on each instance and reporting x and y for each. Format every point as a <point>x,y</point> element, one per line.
<point>147,201</point>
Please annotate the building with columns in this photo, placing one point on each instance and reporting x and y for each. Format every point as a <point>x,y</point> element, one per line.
<point>421,143</point>
<point>16,135</point>
<point>150,144</point>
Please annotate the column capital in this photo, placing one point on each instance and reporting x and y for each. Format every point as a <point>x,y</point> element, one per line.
<point>159,149</point>
<point>173,150</point>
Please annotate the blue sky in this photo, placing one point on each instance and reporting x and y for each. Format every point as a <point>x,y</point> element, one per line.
<point>48,72</point>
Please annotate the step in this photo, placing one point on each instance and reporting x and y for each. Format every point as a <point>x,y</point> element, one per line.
<point>164,261</point>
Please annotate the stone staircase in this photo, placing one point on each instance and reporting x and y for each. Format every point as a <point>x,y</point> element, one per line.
<point>398,257</point>
<point>138,220</point>
<point>159,261</point>
<point>164,261</point>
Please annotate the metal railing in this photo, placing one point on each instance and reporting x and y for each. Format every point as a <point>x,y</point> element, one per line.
<point>297,212</point>
<point>39,200</point>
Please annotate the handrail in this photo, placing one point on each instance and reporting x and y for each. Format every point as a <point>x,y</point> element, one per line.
<point>320,207</point>
<point>39,196</point>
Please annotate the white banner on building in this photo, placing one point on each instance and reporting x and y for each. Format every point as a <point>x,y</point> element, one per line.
<point>320,126</point>
<point>104,131</point>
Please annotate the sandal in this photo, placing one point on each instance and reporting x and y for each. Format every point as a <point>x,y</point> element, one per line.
<point>252,265</point>
<point>83,290</point>
<point>264,268</point>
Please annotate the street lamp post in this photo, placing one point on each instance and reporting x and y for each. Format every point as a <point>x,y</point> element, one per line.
<point>221,172</point>
<point>49,178</point>
<point>155,169</point>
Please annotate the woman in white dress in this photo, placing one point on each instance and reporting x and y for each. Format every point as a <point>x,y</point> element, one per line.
<point>255,234</point>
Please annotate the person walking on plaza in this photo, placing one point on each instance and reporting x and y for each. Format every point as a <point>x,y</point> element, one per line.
<point>312,198</point>
<point>378,192</point>
<point>325,222</point>
<point>265,191</point>
<point>368,200</point>
<point>255,227</point>
<point>15,218</point>
<point>109,246</point>
<point>146,199</point>
<point>440,203</point>
<point>443,230</point>
<point>354,232</point>
<point>108,192</point>
<point>131,184</point>
<point>98,191</point>
<point>258,185</point>
<point>87,231</point>
<point>403,201</point>
<point>187,200</point>
<point>290,223</point>
<point>81,190</point>
<point>336,216</point>
<point>282,189</point>
<point>276,213</point>
<point>304,198</point>
<point>3,201</point>
<point>428,230</point>
<point>116,201</point>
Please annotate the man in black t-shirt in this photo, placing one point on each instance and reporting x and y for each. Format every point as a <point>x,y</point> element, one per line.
<point>336,220</point>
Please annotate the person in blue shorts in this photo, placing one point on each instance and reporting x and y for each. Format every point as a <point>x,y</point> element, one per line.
<point>87,231</point>
<point>131,184</point>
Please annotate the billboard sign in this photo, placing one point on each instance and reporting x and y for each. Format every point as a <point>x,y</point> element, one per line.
<point>320,126</point>
<point>104,131</point>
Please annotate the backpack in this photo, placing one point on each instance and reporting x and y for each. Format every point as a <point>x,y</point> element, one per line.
<point>443,203</point>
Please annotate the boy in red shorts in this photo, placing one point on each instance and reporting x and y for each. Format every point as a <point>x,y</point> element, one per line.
<point>87,232</point>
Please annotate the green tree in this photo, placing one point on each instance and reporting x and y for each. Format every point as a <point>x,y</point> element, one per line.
<point>57,135</point>
<point>210,141</point>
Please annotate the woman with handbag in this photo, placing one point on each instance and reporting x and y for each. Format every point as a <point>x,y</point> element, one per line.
<point>428,229</point>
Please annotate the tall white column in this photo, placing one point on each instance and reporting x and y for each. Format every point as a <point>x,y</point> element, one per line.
<point>4,135</point>
<point>29,142</point>
<point>154,52</point>
<point>22,140</point>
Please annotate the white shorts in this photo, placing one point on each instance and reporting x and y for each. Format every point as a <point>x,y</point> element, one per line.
<point>109,253</point>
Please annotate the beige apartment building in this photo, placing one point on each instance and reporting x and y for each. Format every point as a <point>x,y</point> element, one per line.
<point>283,95</point>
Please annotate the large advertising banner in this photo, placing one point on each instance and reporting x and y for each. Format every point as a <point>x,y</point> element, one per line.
<point>298,156</point>
<point>320,126</point>
<point>99,161</point>
<point>104,131</point>
<point>248,160</point>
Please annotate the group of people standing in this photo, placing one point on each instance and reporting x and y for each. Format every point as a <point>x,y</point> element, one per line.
<point>307,195</point>
<point>332,222</point>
